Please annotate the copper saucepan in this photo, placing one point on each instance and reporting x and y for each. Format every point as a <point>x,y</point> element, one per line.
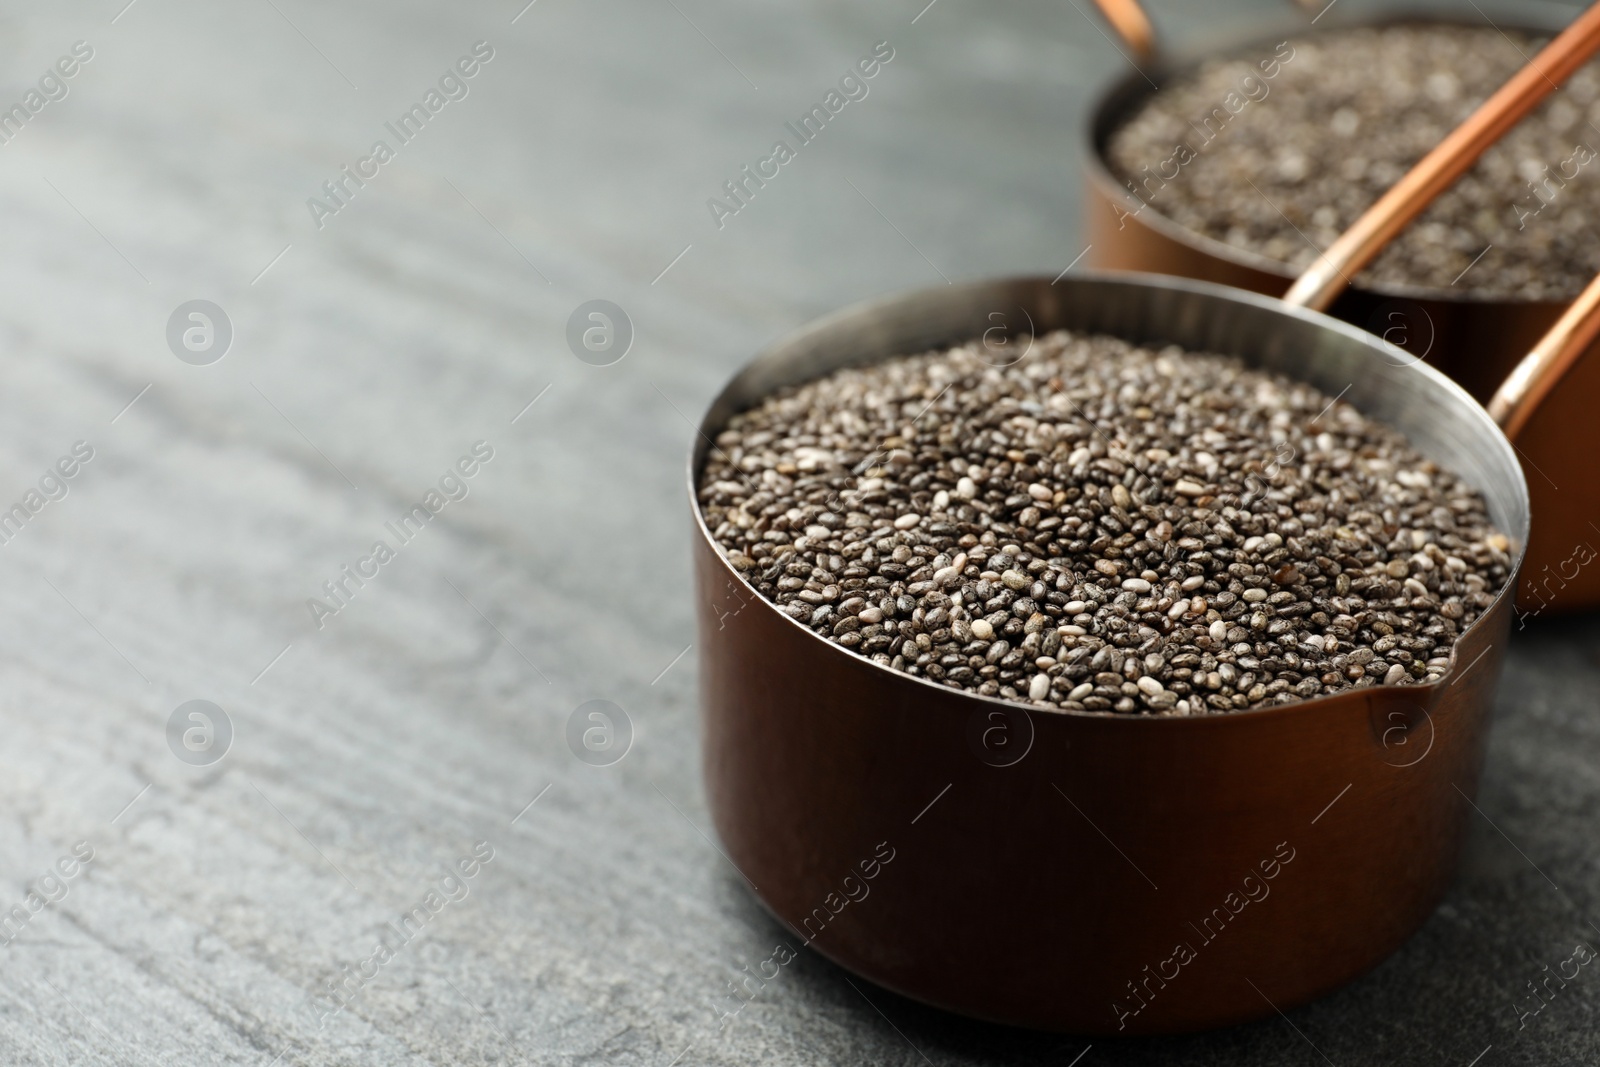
<point>1095,872</point>
<point>1473,339</point>
<point>1090,872</point>
<point>1047,868</point>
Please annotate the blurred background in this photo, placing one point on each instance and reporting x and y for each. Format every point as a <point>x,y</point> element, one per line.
<point>248,852</point>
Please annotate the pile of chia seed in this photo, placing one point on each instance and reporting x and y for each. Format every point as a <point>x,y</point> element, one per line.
<point>1341,121</point>
<point>1102,527</point>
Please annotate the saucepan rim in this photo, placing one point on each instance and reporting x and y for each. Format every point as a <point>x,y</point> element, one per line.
<point>866,310</point>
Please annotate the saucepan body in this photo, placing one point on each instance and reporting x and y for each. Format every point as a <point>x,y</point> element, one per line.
<point>1087,872</point>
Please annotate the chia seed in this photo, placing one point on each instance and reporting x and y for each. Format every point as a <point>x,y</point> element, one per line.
<point>1343,120</point>
<point>1102,527</point>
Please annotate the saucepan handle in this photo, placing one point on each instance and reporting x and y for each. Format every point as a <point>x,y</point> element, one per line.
<point>1131,24</point>
<point>1129,21</point>
<point>1325,279</point>
<point>1533,379</point>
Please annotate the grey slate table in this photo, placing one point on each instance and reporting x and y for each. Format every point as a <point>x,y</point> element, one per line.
<point>372,347</point>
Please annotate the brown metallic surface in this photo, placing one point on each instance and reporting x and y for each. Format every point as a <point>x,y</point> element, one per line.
<point>1035,893</point>
<point>1478,342</point>
<point>1531,383</point>
<point>1130,22</point>
<point>1358,246</point>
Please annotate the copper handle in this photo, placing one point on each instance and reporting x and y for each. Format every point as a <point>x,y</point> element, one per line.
<point>1541,369</point>
<point>1356,247</point>
<point>1132,25</point>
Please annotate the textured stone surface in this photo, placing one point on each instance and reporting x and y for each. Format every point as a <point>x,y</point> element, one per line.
<point>366,361</point>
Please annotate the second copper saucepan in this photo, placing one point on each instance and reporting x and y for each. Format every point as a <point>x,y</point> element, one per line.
<point>1473,339</point>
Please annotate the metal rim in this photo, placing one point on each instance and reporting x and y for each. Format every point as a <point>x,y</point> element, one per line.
<point>1122,96</point>
<point>865,308</point>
